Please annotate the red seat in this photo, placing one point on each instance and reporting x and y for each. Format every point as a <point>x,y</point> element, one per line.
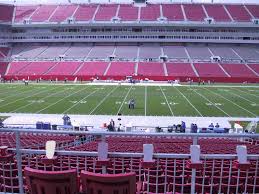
<point>51,182</point>
<point>93,183</point>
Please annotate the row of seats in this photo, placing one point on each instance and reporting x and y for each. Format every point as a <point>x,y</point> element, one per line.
<point>167,175</point>
<point>168,145</point>
<point>131,68</point>
<point>130,52</point>
<point>33,140</point>
<point>127,12</point>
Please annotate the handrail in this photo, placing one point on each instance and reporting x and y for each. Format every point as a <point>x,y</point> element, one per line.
<point>105,133</point>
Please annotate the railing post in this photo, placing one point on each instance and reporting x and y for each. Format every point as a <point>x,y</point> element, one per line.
<point>19,161</point>
<point>193,181</point>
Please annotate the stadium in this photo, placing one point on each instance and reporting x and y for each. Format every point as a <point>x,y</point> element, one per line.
<point>131,96</point>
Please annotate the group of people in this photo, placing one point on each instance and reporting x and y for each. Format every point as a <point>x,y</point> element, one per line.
<point>111,126</point>
<point>211,126</point>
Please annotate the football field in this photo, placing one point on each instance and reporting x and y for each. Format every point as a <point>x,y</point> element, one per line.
<point>86,99</point>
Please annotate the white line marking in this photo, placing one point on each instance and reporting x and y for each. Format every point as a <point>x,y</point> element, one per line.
<point>103,99</point>
<point>145,100</point>
<point>22,98</point>
<point>18,93</point>
<point>188,101</point>
<point>40,99</point>
<point>167,101</point>
<point>79,101</point>
<point>231,101</point>
<point>242,97</point>
<point>215,104</point>
<point>254,95</point>
<point>123,102</point>
<point>72,93</point>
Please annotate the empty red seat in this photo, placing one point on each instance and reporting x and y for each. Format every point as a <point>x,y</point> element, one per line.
<point>51,182</point>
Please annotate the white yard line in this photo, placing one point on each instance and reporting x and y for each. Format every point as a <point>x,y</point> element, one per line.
<point>8,90</point>
<point>211,103</point>
<point>124,100</point>
<point>231,102</point>
<point>103,99</point>
<point>167,101</point>
<point>40,99</point>
<point>189,101</point>
<point>242,97</point>
<point>254,95</point>
<point>18,93</point>
<point>79,101</point>
<point>72,93</point>
<point>22,98</point>
<point>145,100</point>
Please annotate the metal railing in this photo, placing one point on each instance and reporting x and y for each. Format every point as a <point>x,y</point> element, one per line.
<point>170,171</point>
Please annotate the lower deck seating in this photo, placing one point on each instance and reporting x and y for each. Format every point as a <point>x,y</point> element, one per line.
<point>255,67</point>
<point>92,68</point>
<point>121,69</point>
<point>36,68</point>
<point>150,69</point>
<point>209,70</point>
<point>180,69</point>
<point>238,70</point>
<point>3,67</point>
<point>64,68</point>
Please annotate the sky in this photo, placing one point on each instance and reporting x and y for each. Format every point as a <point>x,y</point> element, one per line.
<point>118,1</point>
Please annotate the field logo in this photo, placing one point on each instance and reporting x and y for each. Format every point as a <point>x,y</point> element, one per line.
<point>213,104</point>
<point>78,102</point>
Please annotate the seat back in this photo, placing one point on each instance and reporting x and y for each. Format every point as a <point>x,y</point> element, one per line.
<point>51,182</point>
<point>93,183</point>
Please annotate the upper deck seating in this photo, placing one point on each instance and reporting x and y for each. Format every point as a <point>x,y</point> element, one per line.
<point>101,52</point>
<point>197,52</point>
<point>180,69</point>
<point>173,12</point>
<point>149,51</point>
<point>224,52</point>
<point>247,53</point>
<point>93,68</point>
<point>217,12</point>
<point>43,13</point>
<point>150,13</point>
<point>23,12</point>
<point>128,13</point>
<point>175,52</point>
<point>85,12</point>
<point>4,52</point>
<point>121,69</point>
<point>3,67</point>
<point>78,50</point>
<point>150,69</point>
<point>62,13</point>
<point>238,70</point>
<point>6,13</point>
<point>238,13</point>
<point>32,51</point>
<point>209,70</point>
<point>106,12</point>
<point>36,68</point>
<point>194,12</point>
<point>254,10</point>
<point>64,68</point>
<point>126,52</point>
<point>54,51</point>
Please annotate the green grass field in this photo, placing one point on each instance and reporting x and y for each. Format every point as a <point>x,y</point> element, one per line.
<point>110,100</point>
